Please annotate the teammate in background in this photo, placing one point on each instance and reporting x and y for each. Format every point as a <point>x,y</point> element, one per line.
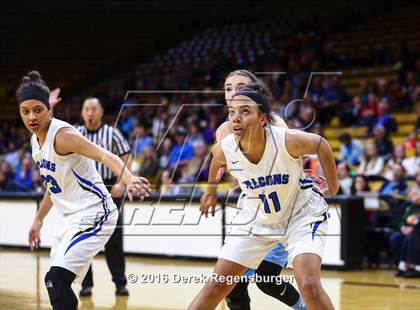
<point>281,204</point>
<point>276,259</point>
<point>74,187</point>
<point>111,139</point>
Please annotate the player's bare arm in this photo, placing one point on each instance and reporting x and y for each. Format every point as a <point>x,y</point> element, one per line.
<point>218,162</point>
<point>68,141</point>
<point>118,188</point>
<point>34,232</point>
<point>300,143</point>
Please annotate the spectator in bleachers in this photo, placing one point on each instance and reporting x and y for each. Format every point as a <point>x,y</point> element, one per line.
<point>14,155</point>
<point>23,176</point>
<point>143,140</point>
<point>149,166</point>
<point>412,163</point>
<point>398,184</point>
<point>365,90</point>
<point>397,158</point>
<point>372,164</point>
<point>349,116</point>
<point>197,165</point>
<point>344,178</point>
<point>186,182</point>
<point>194,134</point>
<point>384,145</point>
<point>6,168</point>
<point>417,110</point>
<point>183,151</point>
<point>164,151</point>
<point>351,150</point>
<point>6,184</point>
<point>159,124</point>
<point>360,185</point>
<point>410,142</point>
<point>369,112</point>
<point>210,129</point>
<point>385,118</point>
<point>333,94</point>
<point>126,122</point>
<point>169,180</point>
<point>405,244</point>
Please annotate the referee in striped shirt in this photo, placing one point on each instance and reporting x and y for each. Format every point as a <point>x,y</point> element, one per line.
<point>112,140</point>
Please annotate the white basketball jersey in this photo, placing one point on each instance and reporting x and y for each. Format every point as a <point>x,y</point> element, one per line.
<point>72,180</point>
<point>276,186</point>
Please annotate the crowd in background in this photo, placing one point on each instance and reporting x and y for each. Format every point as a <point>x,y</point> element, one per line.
<point>171,134</point>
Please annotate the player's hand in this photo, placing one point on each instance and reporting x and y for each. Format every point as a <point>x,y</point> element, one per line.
<point>208,201</point>
<point>322,184</point>
<point>117,190</point>
<point>54,97</point>
<point>34,235</point>
<point>320,181</point>
<point>138,186</point>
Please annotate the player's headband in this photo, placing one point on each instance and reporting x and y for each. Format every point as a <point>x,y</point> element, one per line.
<point>254,96</point>
<point>34,92</point>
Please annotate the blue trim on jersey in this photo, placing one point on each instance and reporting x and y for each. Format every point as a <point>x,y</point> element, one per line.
<point>305,186</point>
<point>306,181</point>
<point>326,215</point>
<point>93,233</point>
<point>317,191</point>
<point>91,187</point>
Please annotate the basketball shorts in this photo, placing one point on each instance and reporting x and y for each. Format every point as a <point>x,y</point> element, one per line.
<point>304,232</point>
<point>80,236</point>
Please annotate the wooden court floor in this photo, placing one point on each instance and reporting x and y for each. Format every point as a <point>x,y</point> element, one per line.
<point>171,284</point>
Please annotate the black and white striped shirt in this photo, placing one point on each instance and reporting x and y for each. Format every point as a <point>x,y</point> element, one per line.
<point>111,139</point>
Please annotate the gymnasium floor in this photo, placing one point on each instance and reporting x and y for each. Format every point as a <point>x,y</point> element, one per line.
<point>22,272</point>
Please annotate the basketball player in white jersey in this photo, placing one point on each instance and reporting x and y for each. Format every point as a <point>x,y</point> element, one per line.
<point>276,259</point>
<point>66,163</point>
<point>281,203</point>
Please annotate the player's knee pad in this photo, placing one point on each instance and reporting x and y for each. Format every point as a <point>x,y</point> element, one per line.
<point>58,282</point>
<point>268,268</point>
<point>238,298</point>
<point>273,286</point>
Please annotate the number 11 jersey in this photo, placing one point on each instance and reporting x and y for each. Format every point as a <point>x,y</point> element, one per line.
<point>275,188</point>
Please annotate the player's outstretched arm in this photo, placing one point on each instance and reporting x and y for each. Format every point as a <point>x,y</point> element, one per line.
<point>300,143</point>
<point>69,140</point>
<point>217,164</point>
<point>35,230</point>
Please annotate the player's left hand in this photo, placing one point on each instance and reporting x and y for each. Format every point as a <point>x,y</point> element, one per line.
<point>322,184</point>
<point>208,201</point>
<point>34,235</point>
<point>138,186</point>
<point>117,190</point>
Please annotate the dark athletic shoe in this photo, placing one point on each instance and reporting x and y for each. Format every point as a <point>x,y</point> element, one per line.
<point>85,291</point>
<point>121,291</point>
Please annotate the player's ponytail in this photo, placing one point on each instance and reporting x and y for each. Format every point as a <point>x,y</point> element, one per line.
<point>33,87</point>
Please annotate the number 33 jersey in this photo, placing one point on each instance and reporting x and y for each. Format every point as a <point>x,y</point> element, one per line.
<point>72,180</point>
<point>275,188</point>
